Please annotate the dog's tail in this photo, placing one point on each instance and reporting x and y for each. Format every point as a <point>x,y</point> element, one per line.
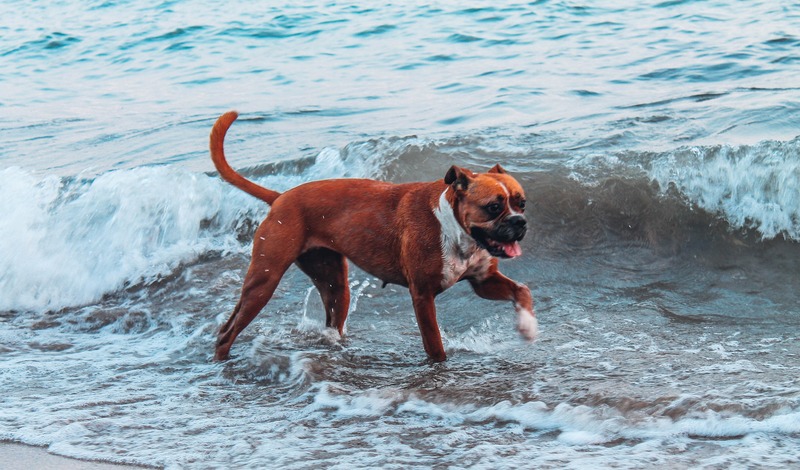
<point>225,171</point>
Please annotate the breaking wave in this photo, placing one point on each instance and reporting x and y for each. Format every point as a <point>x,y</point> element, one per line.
<point>70,241</point>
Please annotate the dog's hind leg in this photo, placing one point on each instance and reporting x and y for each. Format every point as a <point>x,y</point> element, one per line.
<point>328,270</point>
<point>257,290</point>
<point>269,263</point>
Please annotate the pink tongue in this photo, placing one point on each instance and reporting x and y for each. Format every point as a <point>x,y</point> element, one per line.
<point>512,249</point>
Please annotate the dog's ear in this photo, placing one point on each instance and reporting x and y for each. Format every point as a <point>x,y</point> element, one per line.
<point>458,178</point>
<point>497,169</point>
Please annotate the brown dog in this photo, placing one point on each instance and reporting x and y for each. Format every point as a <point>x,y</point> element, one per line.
<point>424,236</point>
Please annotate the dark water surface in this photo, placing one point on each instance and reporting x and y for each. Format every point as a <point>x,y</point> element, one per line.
<point>658,146</point>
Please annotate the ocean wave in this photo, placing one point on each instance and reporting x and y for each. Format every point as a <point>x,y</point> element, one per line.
<point>577,425</point>
<point>70,241</point>
<point>662,199</point>
<point>751,186</point>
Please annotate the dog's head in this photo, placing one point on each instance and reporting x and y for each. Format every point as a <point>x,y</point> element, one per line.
<point>490,207</point>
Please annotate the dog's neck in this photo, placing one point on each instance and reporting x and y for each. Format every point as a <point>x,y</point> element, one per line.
<point>455,239</point>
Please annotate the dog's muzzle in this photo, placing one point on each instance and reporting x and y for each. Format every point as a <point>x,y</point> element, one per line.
<point>503,241</point>
<point>512,229</point>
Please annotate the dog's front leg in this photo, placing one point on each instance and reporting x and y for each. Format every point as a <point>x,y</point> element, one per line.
<point>425,310</point>
<point>495,286</point>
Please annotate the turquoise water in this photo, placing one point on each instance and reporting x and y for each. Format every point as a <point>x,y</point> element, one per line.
<point>657,143</point>
<point>138,83</point>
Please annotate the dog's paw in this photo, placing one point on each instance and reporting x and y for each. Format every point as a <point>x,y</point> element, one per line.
<point>527,325</point>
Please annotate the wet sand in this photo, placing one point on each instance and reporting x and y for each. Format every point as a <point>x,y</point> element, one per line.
<point>23,457</point>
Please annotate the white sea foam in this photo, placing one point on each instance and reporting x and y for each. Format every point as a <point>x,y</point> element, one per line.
<point>751,186</point>
<point>577,425</point>
<point>154,398</point>
<point>129,91</point>
<point>69,242</point>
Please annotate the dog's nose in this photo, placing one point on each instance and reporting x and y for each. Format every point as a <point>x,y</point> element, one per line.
<point>517,221</point>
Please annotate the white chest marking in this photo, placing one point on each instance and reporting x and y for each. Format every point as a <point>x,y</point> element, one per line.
<point>460,254</point>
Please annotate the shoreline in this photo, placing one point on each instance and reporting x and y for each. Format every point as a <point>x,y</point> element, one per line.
<point>16,456</point>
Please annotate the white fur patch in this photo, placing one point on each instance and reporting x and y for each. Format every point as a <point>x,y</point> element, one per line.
<point>454,236</point>
<point>527,324</point>
<point>460,253</point>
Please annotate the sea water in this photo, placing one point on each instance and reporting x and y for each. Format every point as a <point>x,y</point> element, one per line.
<point>658,146</point>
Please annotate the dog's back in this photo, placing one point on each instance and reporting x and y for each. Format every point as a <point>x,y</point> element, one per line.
<point>340,206</point>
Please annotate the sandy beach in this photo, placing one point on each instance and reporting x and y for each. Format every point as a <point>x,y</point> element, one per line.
<point>23,457</point>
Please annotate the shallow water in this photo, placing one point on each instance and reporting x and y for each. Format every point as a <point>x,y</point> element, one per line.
<point>658,147</point>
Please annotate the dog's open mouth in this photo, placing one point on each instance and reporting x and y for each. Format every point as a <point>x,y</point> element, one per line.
<point>501,249</point>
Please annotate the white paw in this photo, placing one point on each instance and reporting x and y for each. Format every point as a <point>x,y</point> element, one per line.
<point>527,324</point>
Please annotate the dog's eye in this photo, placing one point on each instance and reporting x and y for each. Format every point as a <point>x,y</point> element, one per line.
<point>494,209</point>
<point>522,204</point>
